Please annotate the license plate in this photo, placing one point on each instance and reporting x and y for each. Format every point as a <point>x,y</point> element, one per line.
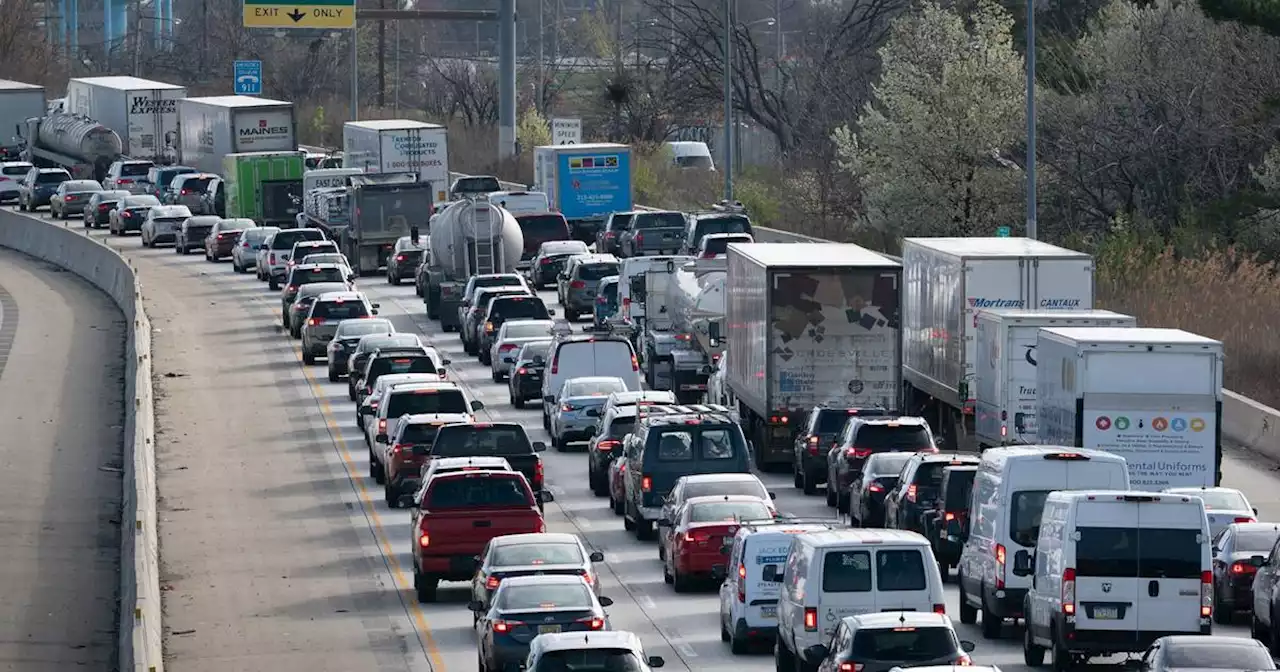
<point>1106,613</point>
<point>544,629</point>
<point>769,612</point>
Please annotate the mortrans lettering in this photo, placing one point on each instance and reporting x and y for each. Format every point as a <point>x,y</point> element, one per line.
<point>977,302</point>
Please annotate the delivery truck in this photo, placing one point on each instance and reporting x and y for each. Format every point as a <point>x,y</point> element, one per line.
<point>1151,396</point>
<point>1005,368</point>
<point>143,112</point>
<point>948,281</point>
<point>213,127</point>
<point>18,103</point>
<point>264,186</point>
<point>806,326</point>
<point>585,183</point>
<point>399,146</point>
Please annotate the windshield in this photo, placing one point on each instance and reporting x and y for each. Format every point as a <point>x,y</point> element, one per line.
<point>736,487</point>
<point>477,441</point>
<point>302,276</point>
<point>887,464</point>
<point>1222,500</point>
<point>528,352</point>
<point>52,178</point>
<point>419,434</point>
<point>831,421</point>
<point>544,227</point>
<point>548,596</point>
<point>1256,541</point>
<point>82,186</point>
<point>596,271</point>
<point>476,490</point>
<point>905,644</point>
<point>418,402</point>
<point>196,185</point>
<point>594,388</point>
<point>537,554</point>
<point>885,438</point>
<point>658,220</point>
<point>713,512</point>
<point>518,306</point>
<point>340,310</point>
<point>526,330</point>
<point>1245,655</point>
<point>700,162</point>
<point>134,169</point>
<point>589,660</point>
<point>359,328</point>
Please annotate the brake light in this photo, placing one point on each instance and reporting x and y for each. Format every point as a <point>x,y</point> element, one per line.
<point>911,497</point>
<point>521,371</point>
<point>271,259</point>
<point>245,244</point>
<point>507,346</point>
<point>646,483</point>
<point>291,288</point>
<point>940,609</point>
<point>545,261</point>
<point>488,327</point>
<point>593,623</point>
<point>1000,558</point>
<point>502,626</point>
<point>779,419</point>
<point>492,582</point>
<point>811,619</point>
<point>1069,591</point>
<point>382,426</point>
<point>742,582</point>
<point>314,322</point>
<point>577,284</point>
<point>126,213</point>
<point>104,207</point>
<point>964,661</point>
<point>602,300</point>
<point>537,475</point>
<point>1243,568</point>
<point>607,445</point>
<point>697,535</point>
<point>399,257</point>
<point>568,408</point>
<point>186,192</point>
<point>639,238</point>
<point>123,181</point>
<point>609,234</point>
<point>850,667</point>
<point>586,576</point>
<point>857,453</point>
<point>949,516</point>
<point>635,363</point>
<point>424,539</point>
<point>875,487</point>
<point>555,363</point>
<point>1206,594</point>
<point>398,448</point>
<point>1245,519</point>
<point>813,445</point>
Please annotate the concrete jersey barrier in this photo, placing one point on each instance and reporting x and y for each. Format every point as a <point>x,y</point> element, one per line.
<point>1253,425</point>
<point>141,630</point>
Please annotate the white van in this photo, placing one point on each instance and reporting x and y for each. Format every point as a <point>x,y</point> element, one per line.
<point>1004,521</point>
<point>830,575</point>
<point>749,603</point>
<point>521,202</point>
<point>580,356</point>
<point>1116,570</point>
<point>691,154</point>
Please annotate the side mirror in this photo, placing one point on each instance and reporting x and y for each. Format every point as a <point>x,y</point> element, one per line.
<point>664,522</point>
<point>713,333</point>
<point>656,661</point>
<point>539,360</point>
<point>1258,560</point>
<point>816,652</point>
<point>550,398</point>
<point>546,497</point>
<point>476,606</point>
<point>377,306</point>
<point>596,556</point>
<point>773,495</point>
<point>446,362</point>
<point>374,311</point>
<point>1023,563</point>
<point>381,438</point>
<point>477,405</point>
<point>967,645</point>
<point>551,312</point>
<point>606,602</point>
<point>539,447</point>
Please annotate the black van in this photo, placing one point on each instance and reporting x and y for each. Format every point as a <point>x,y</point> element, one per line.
<point>673,441</point>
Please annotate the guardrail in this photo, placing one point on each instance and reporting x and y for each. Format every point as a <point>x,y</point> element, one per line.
<point>1250,424</point>
<point>140,634</point>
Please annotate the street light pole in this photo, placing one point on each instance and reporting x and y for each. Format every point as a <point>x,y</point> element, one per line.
<point>1031,119</point>
<point>728,100</point>
<point>542,77</point>
<point>355,72</point>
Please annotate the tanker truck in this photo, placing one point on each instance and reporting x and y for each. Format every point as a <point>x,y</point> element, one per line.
<point>81,145</point>
<point>470,237</point>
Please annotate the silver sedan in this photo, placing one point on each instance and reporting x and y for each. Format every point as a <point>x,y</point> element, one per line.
<point>578,408</point>
<point>512,336</point>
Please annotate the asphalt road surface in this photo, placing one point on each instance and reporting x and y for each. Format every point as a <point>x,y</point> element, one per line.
<point>61,387</point>
<point>278,552</point>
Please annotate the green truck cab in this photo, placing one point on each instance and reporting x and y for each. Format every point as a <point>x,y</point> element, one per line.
<point>265,186</point>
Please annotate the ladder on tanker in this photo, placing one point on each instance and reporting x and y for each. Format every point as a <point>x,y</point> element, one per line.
<point>484,257</point>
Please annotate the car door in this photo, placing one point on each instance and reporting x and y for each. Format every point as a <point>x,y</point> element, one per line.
<point>893,500</point>
<point>670,505</point>
<point>1264,584</point>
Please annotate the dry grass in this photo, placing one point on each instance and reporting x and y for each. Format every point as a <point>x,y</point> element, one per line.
<point>1219,294</point>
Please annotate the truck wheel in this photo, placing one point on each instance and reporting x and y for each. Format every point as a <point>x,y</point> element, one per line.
<point>425,586</point>
<point>272,283</point>
<point>1032,653</point>
<point>433,305</point>
<point>392,278</point>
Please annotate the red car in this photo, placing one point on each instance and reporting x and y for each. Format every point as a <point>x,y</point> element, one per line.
<point>699,530</point>
<point>459,514</point>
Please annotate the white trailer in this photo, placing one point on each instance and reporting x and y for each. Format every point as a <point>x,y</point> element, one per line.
<point>142,112</point>
<point>1005,368</point>
<point>18,103</point>
<point>946,283</point>
<point>1152,396</point>
<point>399,146</point>
<point>215,126</point>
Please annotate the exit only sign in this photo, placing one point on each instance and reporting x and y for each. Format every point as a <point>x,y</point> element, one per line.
<point>326,14</point>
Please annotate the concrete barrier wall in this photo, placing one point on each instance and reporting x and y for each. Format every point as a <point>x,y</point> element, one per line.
<point>141,644</point>
<point>1244,421</point>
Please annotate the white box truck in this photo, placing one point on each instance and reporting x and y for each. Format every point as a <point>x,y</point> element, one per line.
<point>212,127</point>
<point>399,146</point>
<point>1005,368</point>
<point>142,112</point>
<point>18,103</point>
<point>946,283</point>
<point>1151,396</point>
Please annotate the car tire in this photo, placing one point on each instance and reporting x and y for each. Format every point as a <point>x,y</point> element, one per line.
<point>1032,653</point>
<point>393,279</point>
<point>832,493</point>
<point>808,483</point>
<point>738,643</point>
<point>644,530</point>
<point>273,284</point>
<point>667,578</point>
<point>391,495</point>
<point>179,249</point>
<point>495,376</point>
<point>518,402</point>
<point>992,625</point>
<point>842,502</point>
<point>1256,631</point>
<point>351,390</point>
<point>1061,658</point>
<point>783,660</point>
<point>680,582</point>
<point>618,507</point>
<point>425,586</point>
<point>968,612</point>
<point>375,470</point>
<point>333,375</point>
<point>308,358</point>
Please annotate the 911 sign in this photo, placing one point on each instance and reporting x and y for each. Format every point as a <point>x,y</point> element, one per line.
<point>566,131</point>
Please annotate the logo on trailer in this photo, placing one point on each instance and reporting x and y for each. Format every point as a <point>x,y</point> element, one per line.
<point>1103,423</point>
<point>1160,424</point>
<point>1122,423</point>
<point>980,302</point>
<point>1030,354</point>
<point>1179,424</point>
<point>1197,425</point>
<point>1060,304</point>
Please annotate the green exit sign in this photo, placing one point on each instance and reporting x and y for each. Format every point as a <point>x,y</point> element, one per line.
<point>1003,232</point>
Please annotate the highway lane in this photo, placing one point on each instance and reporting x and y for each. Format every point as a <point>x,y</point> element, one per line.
<point>62,389</point>
<point>325,511</point>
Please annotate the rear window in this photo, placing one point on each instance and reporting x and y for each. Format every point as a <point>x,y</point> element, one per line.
<point>596,388</point>
<point>1256,541</point>
<point>544,227</point>
<point>1245,655</point>
<point>15,170</point>
<point>905,644</point>
<point>831,421</point>
<point>406,364</point>
<point>528,352</point>
<point>620,222</point>
<point>899,570</point>
<point>714,512</point>
<point>548,596</point>
<point>659,220</point>
<point>888,438</point>
<point>596,271</point>
<point>254,236</point>
<point>1220,500</point>
<point>198,185</point>
<point>678,445</point>
<point>846,572</point>
<point>537,554</point>
<point>322,248</point>
<point>340,310</point>
<point>362,328</point>
<point>889,465</point>
<point>734,224</point>
<point>706,488</point>
<point>507,308</point>
<point>473,441</point>
<point>610,293</point>
<point>1148,553</point>
<point>1024,516</point>
<point>52,178</point>
<point>959,487</point>
<point>134,169</point>
<point>301,276</point>
<point>419,402</point>
<point>500,281</point>
<point>82,186</point>
<point>422,434</point>
<point>285,240</point>
<point>165,177</point>
<point>589,660</point>
<point>929,475</point>
<point>597,349</point>
<point>526,330</point>
<point>620,427</point>
<point>721,245</point>
<point>477,491</point>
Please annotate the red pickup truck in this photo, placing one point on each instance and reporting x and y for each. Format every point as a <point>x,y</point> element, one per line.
<point>460,512</point>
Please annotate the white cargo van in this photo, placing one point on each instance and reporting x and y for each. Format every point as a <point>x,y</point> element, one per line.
<point>830,575</point>
<point>521,202</point>
<point>1114,571</point>
<point>580,356</point>
<point>748,602</point>
<point>1004,521</point>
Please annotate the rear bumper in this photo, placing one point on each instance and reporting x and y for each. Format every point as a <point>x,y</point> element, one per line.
<point>222,250</point>
<point>73,208</point>
<point>1007,606</point>
<point>701,564</point>
<point>315,345</point>
<point>528,389</point>
<point>162,237</point>
<point>1100,642</point>
<point>460,567</point>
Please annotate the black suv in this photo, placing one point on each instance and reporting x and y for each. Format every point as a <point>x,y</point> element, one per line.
<point>862,437</point>
<point>821,428</point>
<point>501,309</point>
<point>524,383</point>
<point>946,523</point>
<point>404,260</point>
<point>606,446</point>
<point>918,486</point>
<point>674,441</point>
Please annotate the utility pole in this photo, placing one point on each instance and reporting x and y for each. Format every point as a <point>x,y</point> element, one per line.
<point>204,35</point>
<point>540,90</point>
<point>728,99</point>
<point>382,58</point>
<point>355,71</point>
<point>1031,119</point>
<point>506,79</point>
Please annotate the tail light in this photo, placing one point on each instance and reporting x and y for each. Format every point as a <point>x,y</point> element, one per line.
<point>399,257</point>
<point>104,208</point>
<point>555,362</point>
<point>126,213</point>
<point>492,582</point>
<point>646,483</point>
<point>1069,591</point>
<point>546,261</point>
<point>813,445</point>
<point>857,453</point>
<point>811,619</point>
<point>593,623</point>
<point>382,426</point>
<point>368,390</point>
<point>186,192</point>
<point>291,288</point>
<point>1000,558</point>
<point>586,576</point>
<point>1243,568</point>
<point>537,475</point>
<point>742,582</point>
<point>123,181</point>
<point>948,516</point>
<point>964,661</point>
<point>609,235</point>
<point>850,667</point>
<point>1206,594</point>
<point>568,408</point>
<point>697,535</point>
<point>488,327</point>
<point>503,626</point>
<point>1245,519</point>
<point>875,487</point>
<point>245,244</point>
<point>424,539</point>
<point>521,371</point>
<point>708,255</point>
<point>607,445</point>
<point>779,419</point>
<point>272,258</point>
<point>577,284</point>
<point>635,363</point>
<point>602,300</point>
<point>398,448</point>
<point>912,491</point>
<point>639,238</point>
<point>940,609</point>
<point>314,322</point>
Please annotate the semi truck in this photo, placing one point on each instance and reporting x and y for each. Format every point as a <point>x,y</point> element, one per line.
<point>585,183</point>
<point>213,127</point>
<point>1005,368</point>
<point>809,325</point>
<point>398,146</point>
<point>377,210</point>
<point>469,237</point>
<point>81,145</point>
<point>143,112</point>
<point>264,186</point>
<point>1151,396</point>
<point>18,103</point>
<point>682,300</point>
<point>947,283</point>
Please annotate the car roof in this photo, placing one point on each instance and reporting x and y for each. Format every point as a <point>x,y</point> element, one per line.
<point>321,288</point>
<point>896,619</point>
<point>316,265</point>
<point>712,499</point>
<point>204,219</point>
<point>431,418</point>
<point>478,461</point>
<point>313,242</point>
<point>54,170</point>
<point>417,385</point>
<point>673,414</point>
<point>1195,490</point>
<point>1201,640</point>
<point>553,245</point>
<point>912,420</point>
<point>526,320</point>
<point>862,536</point>
<point>83,183</point>
<point>597,639</point>
<point>171,211</point>
<point>633,397</point>
<point>595,258</point>
<point>390,379</point>
<point>536,538</point>
<point>1256,527</point>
